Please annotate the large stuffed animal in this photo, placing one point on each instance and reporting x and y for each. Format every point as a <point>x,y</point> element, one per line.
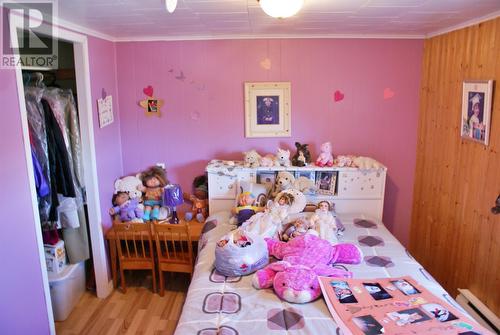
<point>295,277</point>
<point>286,181</point>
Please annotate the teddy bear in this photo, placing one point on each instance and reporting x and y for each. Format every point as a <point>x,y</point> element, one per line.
<point>130,185</point>
<point>366,163</point>
<point>302,157</point>
<point>325,158</point>
<point>252,158</point>
<point>283,157</point>
<point>128,209</point>
<point>153,182</point>
<point>199,199</point>
<point>285,181</point>
<point>303,259</point>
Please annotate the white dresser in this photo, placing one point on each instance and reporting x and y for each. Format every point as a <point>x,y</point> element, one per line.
<point>356,191</point>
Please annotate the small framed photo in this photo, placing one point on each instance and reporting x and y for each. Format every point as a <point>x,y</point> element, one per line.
<point>326,182</point>
<point>476,110</point>
<point>267,109</point>
<point>308,174</point>
<point>152,106</point>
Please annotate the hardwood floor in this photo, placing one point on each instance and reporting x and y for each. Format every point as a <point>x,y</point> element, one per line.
<point>139,311</point>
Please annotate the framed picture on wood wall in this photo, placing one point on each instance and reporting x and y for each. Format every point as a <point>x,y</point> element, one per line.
<point>476,110</point>
<point>267,109</point>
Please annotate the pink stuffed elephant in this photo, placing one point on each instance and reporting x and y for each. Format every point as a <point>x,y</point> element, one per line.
<point>295,278</point>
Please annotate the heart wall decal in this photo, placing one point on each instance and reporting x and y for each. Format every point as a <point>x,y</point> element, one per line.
<point>388,93</point>
<point>148,91</point>
<point>338,96</point>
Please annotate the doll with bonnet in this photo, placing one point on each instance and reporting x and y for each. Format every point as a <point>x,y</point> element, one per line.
<point>153,182</point>
<point>324,223</point>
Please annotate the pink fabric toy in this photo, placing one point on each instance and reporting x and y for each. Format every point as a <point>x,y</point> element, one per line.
<point>295,278</point>
<point>325,158</point>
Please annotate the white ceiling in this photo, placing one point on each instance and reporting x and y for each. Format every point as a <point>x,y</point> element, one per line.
<point>148,19</point>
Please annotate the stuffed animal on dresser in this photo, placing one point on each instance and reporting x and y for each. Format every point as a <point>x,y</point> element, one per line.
<point>366,163</point>
<point>252,159</point>
<point>285,181</point>
<point>283,157</point>
<point>153,182</point>
<point>325,158</point>
<point>344,161</point>
<point>268,161</point>
<point>302,157</point>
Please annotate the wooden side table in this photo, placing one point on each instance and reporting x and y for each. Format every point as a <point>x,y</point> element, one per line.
<point>195,231</point>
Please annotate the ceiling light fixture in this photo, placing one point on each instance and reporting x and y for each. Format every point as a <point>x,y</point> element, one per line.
<point>281,8</point>
<point>171,5</point>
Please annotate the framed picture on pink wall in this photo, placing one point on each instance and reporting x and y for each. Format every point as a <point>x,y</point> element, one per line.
<point>267,109</point>
<point>476,110</point>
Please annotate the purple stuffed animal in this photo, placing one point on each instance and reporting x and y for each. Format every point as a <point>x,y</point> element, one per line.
<point>295,278</point>
<point>129,209</point>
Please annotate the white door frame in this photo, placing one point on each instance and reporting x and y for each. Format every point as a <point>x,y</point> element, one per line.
<point>104,286</point>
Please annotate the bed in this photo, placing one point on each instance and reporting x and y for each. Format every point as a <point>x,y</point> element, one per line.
<point>231,305</point>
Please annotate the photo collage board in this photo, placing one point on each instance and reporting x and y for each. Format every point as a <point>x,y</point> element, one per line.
<point>392,306</point>
<point>325,181</point>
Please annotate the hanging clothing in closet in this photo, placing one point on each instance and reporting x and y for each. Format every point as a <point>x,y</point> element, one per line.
<point>55,136</point>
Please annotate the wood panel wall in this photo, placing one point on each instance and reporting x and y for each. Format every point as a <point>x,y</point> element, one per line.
<point>453,232</point>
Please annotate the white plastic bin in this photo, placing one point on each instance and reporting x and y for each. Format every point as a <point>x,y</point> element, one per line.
<point>66,288</point>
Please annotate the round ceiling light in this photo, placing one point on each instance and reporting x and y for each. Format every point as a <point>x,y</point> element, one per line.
<point>281,8</point>
<point>171,4</point>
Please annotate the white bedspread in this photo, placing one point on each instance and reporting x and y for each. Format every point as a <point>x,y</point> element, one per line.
<point>230,305</point>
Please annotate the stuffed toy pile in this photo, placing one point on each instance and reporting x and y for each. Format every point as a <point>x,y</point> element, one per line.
<point>303,259</point>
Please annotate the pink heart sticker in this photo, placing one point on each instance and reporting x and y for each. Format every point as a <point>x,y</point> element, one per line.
<point>388,93</point>
<point>338,96</point>
<point>148,91</point>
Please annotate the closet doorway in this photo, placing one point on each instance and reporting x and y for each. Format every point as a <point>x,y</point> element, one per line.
<point>84,102</point>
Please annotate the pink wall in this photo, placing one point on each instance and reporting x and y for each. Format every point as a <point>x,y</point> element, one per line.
<point>102,62</point>
<point>203,113</point>
<point>21,288</point>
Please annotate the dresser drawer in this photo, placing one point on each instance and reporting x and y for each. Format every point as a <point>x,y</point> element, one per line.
<point>222,186</point>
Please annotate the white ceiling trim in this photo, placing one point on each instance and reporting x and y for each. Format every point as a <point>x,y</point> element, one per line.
<point>253,37</point>
<point>464,24</point>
